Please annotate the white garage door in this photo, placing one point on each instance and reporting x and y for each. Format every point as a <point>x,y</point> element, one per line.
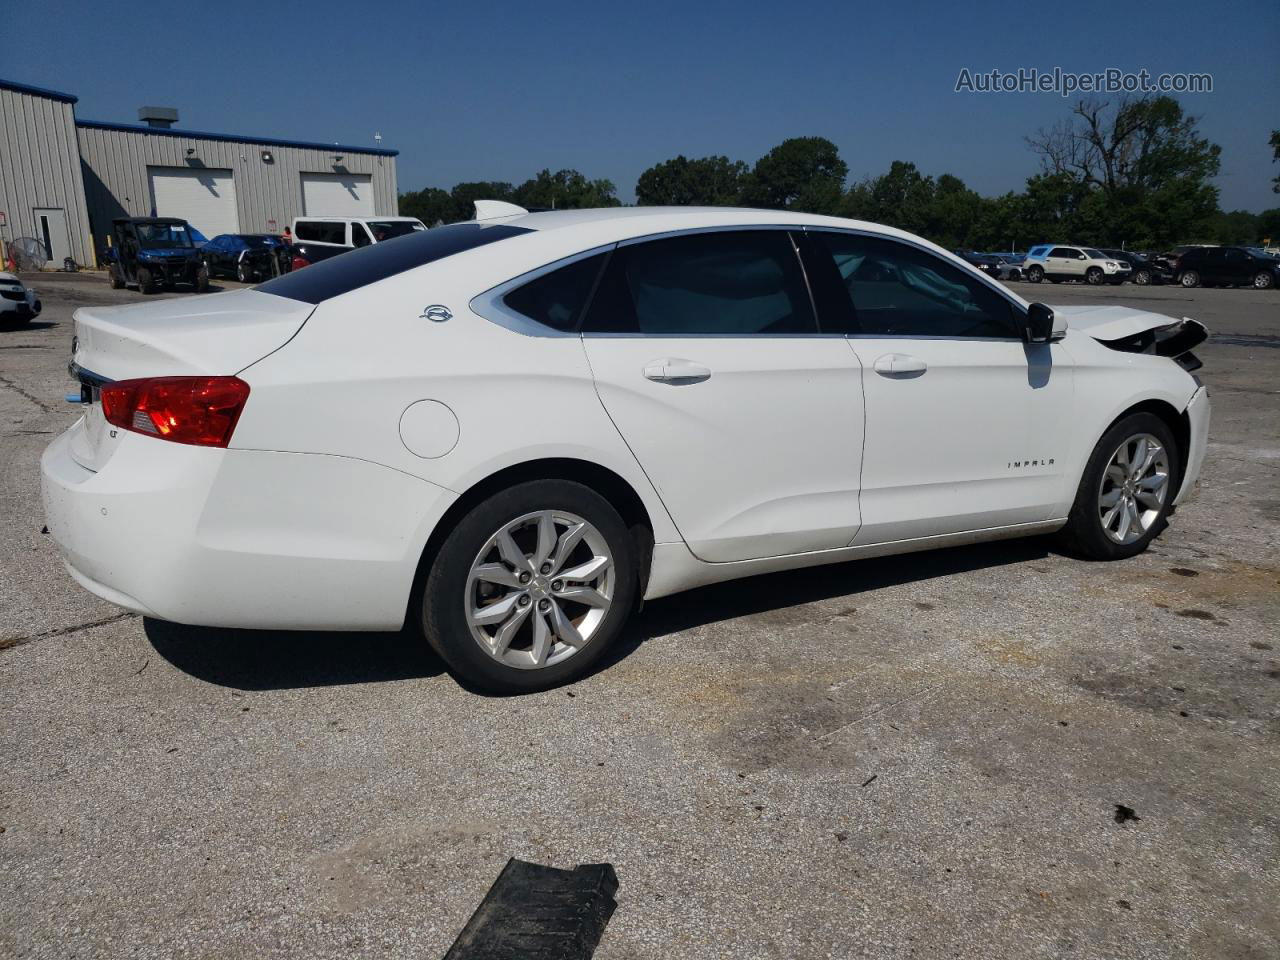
<point>206,199</point>
<point>337,195</point>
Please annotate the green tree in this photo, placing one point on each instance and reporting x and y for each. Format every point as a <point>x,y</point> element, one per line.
<point>709,181</point>
<point>901,198</point>
<point>803,173</point>
<point>431,205</point>
<point>1269,226</point>
<point>565,190</point>
<point>1147,160</point>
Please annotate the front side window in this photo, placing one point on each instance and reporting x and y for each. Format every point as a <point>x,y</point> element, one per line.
<point>557,299</point>
<point>730,283</point>
<point>899,290</point>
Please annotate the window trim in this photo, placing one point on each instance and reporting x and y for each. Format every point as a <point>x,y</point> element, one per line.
<point>1018,311</point>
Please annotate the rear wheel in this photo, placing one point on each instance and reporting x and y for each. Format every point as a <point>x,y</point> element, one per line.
<point>1189,278</point>
<point>146,282</point>
<point>1035,274</point>
<point>531,587</point>
<point>1127,489</point>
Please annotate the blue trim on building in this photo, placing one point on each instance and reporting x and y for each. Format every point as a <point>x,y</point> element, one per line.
<point>37,91</point>
<point>233,138</point>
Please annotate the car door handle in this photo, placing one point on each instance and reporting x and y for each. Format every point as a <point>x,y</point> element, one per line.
<point>900,365</point>
<point>675,370</point>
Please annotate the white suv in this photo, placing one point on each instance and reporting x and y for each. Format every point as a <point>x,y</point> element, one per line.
<point>319,238</point>
<point>1054,263</point>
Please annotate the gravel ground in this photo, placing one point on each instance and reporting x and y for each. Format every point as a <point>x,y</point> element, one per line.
<point>926,756</point>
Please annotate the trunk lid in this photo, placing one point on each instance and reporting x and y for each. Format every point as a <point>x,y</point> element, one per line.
<point>219,334</point>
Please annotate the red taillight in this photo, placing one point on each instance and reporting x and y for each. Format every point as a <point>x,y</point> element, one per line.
<point>198,410</point>
<point>297,263</point>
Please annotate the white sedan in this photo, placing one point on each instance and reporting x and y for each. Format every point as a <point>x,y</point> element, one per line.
<point>510,431</point>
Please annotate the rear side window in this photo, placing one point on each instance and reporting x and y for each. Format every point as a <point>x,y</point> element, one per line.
<point>322,231</point>
<point>557,299</point>
<point>738,283</point>
<point>359,268</point>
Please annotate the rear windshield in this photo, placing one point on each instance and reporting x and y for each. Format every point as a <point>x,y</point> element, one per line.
<point>359,268</point>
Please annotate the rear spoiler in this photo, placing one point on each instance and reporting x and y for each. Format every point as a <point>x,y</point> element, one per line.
<point>1174,340</point>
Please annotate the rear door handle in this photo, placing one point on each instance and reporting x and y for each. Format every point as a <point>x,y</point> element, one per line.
<point>900,365</point>
<point>675,370</point>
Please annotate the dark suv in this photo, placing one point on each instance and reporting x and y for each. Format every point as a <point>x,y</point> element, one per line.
<point>1227,267</point>
<point>151,252</point>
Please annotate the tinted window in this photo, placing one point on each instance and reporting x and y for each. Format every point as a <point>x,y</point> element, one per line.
<point>900,290</point>
<point>359,236</point>
<point>741,283</point>
<point>386,229</point>
<point>322,231</point>
<point>338,275</point>
<point>1064,252</point>
<point>557,299</point>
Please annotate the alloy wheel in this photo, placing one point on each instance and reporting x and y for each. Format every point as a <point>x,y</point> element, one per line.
<point>1262,281</point>
<point>1133,489</point>
<point>539,589</point>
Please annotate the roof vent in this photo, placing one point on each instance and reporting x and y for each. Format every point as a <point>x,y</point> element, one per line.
<point>161,117</point>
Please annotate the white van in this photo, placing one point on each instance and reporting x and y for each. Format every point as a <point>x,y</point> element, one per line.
<point>318,238</point>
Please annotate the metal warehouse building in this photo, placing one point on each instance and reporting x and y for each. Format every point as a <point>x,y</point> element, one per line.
<point>63,180</point>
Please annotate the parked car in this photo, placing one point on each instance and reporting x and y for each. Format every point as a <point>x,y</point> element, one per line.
<point>17,301</point>
<point>988,263</point>
<point>154,252</point>
<point>551,416</point>
<point>1141,270</point>
<point>1227,267</point>
<point>1054,262</point>
<point>319,238</point>
<point>248,257</point>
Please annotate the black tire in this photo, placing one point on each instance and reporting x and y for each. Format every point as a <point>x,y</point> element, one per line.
<point>113,274</point>
<point>202,278</point>
<point>1093,276</point>
<point>444,594</point>
<point>1035,274</point>
<point>1189,278</point>
<point>1142,278</point>
<point>146,282</point>
<point>1084,535</point>
<point>243,273</point>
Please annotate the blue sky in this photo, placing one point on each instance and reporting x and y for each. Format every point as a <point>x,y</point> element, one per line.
<point>492,91</point>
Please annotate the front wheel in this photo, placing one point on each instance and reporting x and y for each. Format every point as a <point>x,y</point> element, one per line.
<point>1093,276</point>
<point>1189,278</point>
<point>1263,281</point>
<point>243,273</point>
<point>531,587</point>
<point>202,278</point>
<point>1127,489</point>
<point>146,282</point>
<point>1142,278</point>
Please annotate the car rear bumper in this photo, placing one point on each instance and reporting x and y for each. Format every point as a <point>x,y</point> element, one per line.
<point>241,538</point>
<point>1198,415</point>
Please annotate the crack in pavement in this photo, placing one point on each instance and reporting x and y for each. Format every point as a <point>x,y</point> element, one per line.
<point>26,396</point>
<point>10,642</point>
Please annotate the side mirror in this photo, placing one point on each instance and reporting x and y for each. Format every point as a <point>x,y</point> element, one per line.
<point>1043,325</point>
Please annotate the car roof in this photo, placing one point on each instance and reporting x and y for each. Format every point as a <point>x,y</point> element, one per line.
<point>166,220</point>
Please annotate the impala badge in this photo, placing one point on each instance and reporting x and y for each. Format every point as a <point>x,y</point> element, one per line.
<point>437,313</point>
